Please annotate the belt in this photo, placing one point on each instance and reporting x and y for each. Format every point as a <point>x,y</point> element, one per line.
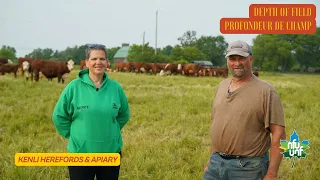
<point>229,156</point>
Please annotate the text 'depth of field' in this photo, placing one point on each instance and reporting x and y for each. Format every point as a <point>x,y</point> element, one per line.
<point>283,11</point>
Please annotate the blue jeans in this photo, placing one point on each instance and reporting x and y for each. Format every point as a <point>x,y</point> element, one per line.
<point>235,169</point>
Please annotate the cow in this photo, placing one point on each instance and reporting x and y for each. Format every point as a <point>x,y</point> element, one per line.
<point>3,60</point>
<point>155,68</point>
<point>140,67</point>
<point>108,68</point>
<point>123,66</point>
<point>256,73</point>
<point>223,72</point>
<point>205,71</point>
<point>9,68</point>
<point>51,69</point>
<point>20,62</point>
<point>83,64</point>
<point>173,69</point>
<point>214,71</point>
<point>26,69</point>
<point>191,69</point>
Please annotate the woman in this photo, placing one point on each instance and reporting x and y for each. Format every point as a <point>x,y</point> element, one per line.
<point>90,113</point>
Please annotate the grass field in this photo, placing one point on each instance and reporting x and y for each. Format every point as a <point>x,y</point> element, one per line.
<point>167,137</point>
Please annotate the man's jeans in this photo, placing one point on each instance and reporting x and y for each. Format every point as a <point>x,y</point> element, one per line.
<point>241,168</point>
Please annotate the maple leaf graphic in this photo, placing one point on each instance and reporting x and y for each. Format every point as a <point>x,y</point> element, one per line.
<point>294,149</point>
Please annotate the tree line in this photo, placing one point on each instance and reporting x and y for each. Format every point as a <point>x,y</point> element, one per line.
<point>272,52</point>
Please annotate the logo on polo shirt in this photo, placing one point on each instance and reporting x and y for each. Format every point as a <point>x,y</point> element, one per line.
<point>294,149</point>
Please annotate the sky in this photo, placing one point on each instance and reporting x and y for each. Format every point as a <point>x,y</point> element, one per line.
<point>28,25</point>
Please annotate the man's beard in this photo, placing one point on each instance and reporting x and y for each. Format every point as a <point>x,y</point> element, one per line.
<point>238,73</point>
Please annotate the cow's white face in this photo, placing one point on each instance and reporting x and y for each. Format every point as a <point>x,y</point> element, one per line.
<point>25,65</point>
<point>162,73</point>
<point>65,76</point>
<point>70,65</point>
<point>9,61</point>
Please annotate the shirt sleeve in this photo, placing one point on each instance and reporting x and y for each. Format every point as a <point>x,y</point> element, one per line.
<point>124,111</point>
<point>62,114</point>
<point>274,113</point>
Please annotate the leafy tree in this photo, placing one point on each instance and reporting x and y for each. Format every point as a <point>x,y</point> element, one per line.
<point>8,52</point>
<point>140,53</point>
<point>177,53</point>
<point>112,52</point>
<point>307,50</point>
<point>188,39</point>
<point>272,51</point>
<point>192,53</point>
<point>167,50</point>
<point>214,49</point>
<point>161,58</point>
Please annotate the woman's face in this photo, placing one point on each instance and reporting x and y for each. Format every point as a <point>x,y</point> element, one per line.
<point>97,62</point>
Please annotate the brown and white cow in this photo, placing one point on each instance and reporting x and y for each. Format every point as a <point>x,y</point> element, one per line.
<point>171,68</point>
<point>191,69</point>
<point>3,60</point>
<point>20,62</point>
<point>83,64</point>
<point>256,73</point>
<point>9,68</point>
<point>123,66</point>
<point>51,69</point>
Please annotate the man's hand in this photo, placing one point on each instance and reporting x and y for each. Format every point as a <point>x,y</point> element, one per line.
<point>269,177</point>
<point>278,133</point>
<point>206,167</point>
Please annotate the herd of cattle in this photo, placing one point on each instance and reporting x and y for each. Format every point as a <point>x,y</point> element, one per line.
<point>38,68</point>
<point>165,69</point>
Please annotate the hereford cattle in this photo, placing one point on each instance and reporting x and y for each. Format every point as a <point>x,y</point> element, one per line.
<point>204,71</point>
<point>51,69</point>
<point>256,73</point>
<point>20,62</point>
<point>9,68</point>
<point>3,60</point>
<point>123,66</point>
<point>191,69</point>
<point>141,67</point>
<point>83,64</point>
<point>26,69</point>
<point>223,72</point>
<point>108,68</point>
<point>155,68</point>
<point>214,71</point>
<point>173,69</point>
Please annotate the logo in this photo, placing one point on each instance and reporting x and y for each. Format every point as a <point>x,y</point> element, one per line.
<point>237,47</point>
<point>82,107</point>
<point>114,106</point>
<point>294,149</point>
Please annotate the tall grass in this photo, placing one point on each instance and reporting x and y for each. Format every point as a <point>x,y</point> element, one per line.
<point>168,134</point>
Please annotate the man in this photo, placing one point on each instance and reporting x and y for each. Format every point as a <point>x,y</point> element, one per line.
<point>245,111</point>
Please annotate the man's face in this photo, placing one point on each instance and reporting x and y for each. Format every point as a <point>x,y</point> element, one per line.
<point>97,62</point>
<point>239,66</point>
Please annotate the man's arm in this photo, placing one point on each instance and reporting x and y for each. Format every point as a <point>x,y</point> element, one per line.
<point>278,132</point>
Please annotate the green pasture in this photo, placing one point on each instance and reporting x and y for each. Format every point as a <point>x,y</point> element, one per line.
<point>167,137</point>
